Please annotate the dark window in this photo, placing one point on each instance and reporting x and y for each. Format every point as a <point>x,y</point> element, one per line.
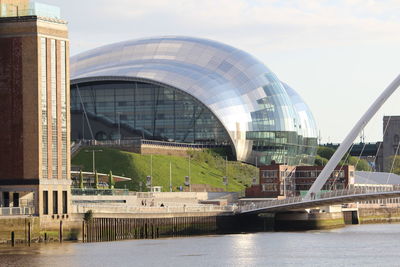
<point>45,202</point>
<point>6,199</point>
<point>55,202</point>
<point>65,202</point>
<point>15,199</point>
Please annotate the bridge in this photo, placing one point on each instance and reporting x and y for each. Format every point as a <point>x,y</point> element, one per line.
<point>324,199</point>
<point>314,197</point>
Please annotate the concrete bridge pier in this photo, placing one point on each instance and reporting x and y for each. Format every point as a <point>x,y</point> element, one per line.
<point>303,220</point>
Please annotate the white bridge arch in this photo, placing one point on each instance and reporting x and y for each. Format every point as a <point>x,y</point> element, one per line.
<point>351,136</point>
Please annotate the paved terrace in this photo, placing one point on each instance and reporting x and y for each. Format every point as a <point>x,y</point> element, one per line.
<point>324,199</point>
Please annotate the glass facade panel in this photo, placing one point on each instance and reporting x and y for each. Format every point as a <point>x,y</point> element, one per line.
<point>150,111</point>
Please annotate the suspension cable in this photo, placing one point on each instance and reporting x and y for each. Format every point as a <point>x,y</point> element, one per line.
<point>379,146</point>
<point>84,111</point>
<point>341,167</point>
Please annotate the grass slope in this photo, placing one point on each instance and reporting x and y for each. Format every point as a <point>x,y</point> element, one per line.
<point>206,168</point>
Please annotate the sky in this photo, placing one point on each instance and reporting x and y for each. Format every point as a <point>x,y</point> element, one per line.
<point>339,55</point>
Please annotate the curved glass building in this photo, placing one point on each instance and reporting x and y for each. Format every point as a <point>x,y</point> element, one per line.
<point>190,90</point>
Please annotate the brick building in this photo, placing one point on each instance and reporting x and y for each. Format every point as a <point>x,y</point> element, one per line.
<point>34,101</point>
<point>284,180</point>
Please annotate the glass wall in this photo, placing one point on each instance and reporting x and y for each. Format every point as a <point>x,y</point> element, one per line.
<point>147,110</point>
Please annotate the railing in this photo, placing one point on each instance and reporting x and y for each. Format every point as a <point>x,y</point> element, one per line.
<point>99,192</point>
<point>139,142</point>
<point>319,196</point>
<point>8,211</point>
<point>134,210</point>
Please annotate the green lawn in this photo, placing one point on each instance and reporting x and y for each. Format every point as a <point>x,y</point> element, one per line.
<point>207,167</point>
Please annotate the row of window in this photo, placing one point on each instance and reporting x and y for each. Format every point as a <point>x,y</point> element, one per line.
<point>160,112</point>
<point>55,124</point>
<point>301,174</point>
<point>64,202</point>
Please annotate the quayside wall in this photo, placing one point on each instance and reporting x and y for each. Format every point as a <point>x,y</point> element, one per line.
<point>110,227</point>
<point>379,215</point>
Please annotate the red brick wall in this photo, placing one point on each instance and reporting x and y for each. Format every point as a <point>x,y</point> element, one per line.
<point>11,131</point>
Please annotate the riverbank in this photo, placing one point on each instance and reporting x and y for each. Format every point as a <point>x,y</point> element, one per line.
<point>110,227</point>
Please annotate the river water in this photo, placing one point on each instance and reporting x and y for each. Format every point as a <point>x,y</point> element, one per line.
<point>358,245</point>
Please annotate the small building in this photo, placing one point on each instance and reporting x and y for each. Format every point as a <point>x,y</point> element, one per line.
<point>279,180</point>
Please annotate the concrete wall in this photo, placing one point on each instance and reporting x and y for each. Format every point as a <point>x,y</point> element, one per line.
<point>379,215</point>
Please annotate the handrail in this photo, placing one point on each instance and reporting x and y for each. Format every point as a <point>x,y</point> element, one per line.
<point>321,196</point>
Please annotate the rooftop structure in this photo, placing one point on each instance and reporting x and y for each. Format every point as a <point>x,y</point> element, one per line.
<point>21,8</point>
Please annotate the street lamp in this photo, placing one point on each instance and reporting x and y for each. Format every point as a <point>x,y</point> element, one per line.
<point>94,160</point>
<point>150,177</point>
<point>226,173</point>
<point>170,177</point>
<point>190,184</point>
<point>119,127</point>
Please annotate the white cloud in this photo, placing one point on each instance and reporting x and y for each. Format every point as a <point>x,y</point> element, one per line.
<point>309,43</point>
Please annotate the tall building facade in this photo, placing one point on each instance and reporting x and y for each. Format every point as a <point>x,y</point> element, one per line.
<point>34,96</point>
<point>390,144</point>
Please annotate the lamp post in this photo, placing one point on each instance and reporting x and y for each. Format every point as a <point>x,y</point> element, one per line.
<point>190,182</point>
<point>150,178</point>
<point>94,159</point>
<point>170,177</point>
<point>119,128</point>
<point>226,173</point>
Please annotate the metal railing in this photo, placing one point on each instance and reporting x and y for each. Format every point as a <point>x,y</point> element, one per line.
<point>318,196</point>
<point>99,192</point>
<point>139,209</point>
<point>9,211</point>
<point>140,142</point>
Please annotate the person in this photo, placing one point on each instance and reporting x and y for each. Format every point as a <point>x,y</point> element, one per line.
<point>142,202</point>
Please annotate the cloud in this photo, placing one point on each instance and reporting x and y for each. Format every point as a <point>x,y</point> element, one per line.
<point>279,24</point>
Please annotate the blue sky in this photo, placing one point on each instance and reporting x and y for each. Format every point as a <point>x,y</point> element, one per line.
<point>339,55</point>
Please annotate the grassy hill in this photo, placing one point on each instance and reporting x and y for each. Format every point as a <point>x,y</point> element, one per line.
<point>207,167</point>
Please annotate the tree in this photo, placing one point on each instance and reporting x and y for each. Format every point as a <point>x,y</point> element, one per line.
<point>325,152</point>
<point>396,164</point>
<point>80,179</point>
<point>320,161</point>
<point>88,216</point>
<point>111,182</point>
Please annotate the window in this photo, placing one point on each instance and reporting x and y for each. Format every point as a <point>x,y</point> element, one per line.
<point>45,202</point>
<point>396,139</point>
<point>55,202</point>
<point>268,174</point>
<point>43,70</point>
<point>63,110</point>
<point>6,199</point>
<point>65,202</point>
<point>53,84</point>
<point>15,199</point>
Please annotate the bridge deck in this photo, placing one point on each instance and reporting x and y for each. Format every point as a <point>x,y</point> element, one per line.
<point>332,198</point>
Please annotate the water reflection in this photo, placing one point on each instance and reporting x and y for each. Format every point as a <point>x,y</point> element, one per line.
<point>368,245</point>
